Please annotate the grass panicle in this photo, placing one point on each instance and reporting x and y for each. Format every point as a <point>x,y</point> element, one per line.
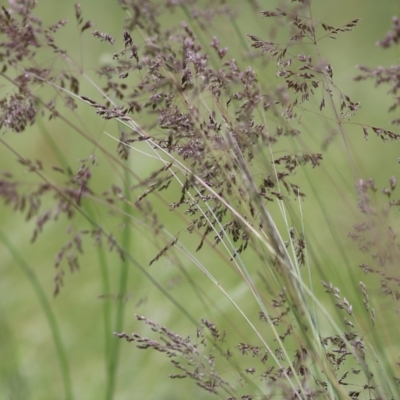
<point>214,167</point>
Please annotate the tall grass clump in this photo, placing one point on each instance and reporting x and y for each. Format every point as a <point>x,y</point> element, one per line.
<point>201,173</point>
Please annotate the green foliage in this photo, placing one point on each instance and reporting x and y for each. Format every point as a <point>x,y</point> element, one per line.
<point>205,170</point>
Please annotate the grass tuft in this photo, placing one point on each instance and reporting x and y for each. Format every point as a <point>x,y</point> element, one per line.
<point>203,170</point>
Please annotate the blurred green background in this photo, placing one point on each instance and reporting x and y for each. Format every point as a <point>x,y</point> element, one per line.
<point>29,367</point>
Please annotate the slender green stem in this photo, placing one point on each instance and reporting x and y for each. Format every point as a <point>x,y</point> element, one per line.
<point>51,319</point>
<point>123,279</point>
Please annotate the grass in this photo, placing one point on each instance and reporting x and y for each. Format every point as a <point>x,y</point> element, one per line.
<point>206,177</point>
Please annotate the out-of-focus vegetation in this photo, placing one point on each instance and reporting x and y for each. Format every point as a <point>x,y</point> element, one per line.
<point>57,346</point>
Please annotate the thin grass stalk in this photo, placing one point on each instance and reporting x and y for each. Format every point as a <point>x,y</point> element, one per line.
<point>48,312</point>
<point>126,244</point>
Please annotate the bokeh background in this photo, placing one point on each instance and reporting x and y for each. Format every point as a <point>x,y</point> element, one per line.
<point>29,366</point>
